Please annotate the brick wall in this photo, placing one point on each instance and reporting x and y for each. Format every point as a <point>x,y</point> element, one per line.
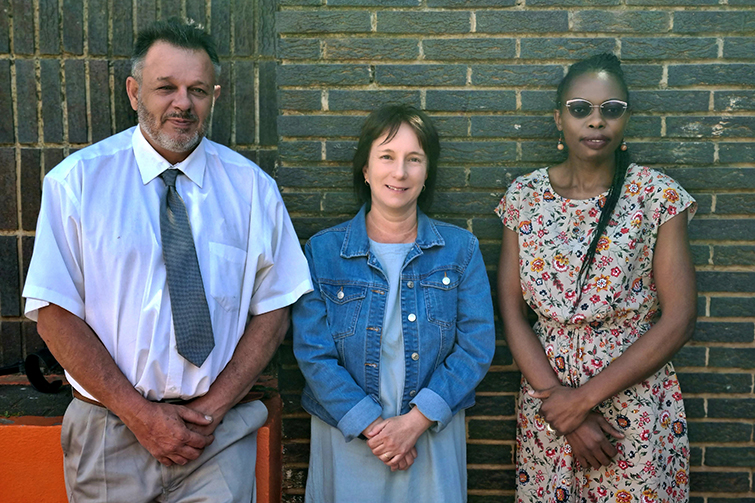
<point>486,71</point>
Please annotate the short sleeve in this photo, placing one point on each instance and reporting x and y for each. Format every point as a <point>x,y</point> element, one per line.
<point>670,200</point>
<point>284,275</point>
<point>55,273</point>
<point>508,208</point>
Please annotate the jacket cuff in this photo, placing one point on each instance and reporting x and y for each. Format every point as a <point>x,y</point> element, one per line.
<point>433,407</point>
<point>359,417</point>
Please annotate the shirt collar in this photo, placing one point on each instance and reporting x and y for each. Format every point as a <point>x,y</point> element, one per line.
<point>151,164</point>
<point>356,242</point>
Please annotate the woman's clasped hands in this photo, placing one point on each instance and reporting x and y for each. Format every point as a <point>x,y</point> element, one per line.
<point>393,440</point>
<point>567,413</point>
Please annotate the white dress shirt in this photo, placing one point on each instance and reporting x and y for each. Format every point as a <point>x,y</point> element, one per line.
<point>98,254</point>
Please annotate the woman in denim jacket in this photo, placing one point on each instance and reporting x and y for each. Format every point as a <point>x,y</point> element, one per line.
<point>397,333</point>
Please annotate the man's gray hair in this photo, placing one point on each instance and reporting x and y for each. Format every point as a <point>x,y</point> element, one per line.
<point>187,35</point>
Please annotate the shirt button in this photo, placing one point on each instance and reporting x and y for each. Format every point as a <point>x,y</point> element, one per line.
<point>412,393</point>
<point>446,280</point>
<point>415,356</point>
<point>410,284</point>
<point>340,295</point>
<point>411,317</point>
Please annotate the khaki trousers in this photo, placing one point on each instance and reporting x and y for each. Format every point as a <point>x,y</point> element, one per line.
<point>105,463</point>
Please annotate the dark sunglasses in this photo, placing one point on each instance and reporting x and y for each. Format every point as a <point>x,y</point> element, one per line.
<point>609,109</point>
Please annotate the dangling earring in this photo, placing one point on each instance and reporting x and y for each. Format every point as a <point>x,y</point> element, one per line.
<point>623,146</point>
<point>560,145</point>
<point>366,182</point>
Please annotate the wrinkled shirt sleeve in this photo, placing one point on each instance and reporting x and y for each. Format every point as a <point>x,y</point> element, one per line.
<point>282,276</point>
<point>469,360</point>
<point>55,273</point>
<point>316,352</point>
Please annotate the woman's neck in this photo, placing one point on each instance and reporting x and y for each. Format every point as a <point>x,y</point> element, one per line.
<point>575,179</point>
<point>391,228</point>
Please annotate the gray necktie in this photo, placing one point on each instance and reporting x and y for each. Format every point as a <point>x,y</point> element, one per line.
<point>191,316</point>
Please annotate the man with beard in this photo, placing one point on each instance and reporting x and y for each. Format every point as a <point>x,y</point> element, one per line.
<point>162,270</point>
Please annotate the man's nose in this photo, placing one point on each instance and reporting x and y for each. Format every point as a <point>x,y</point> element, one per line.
<point>181,99</point>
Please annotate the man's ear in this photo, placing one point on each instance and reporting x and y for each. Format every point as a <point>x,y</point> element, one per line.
<point>132,89</point>
<point>216,92</point>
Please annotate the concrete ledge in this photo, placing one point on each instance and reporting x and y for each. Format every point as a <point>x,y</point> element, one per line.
<point>31,463</point>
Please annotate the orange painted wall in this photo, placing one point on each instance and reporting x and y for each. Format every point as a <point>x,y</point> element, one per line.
<point>31,460</point>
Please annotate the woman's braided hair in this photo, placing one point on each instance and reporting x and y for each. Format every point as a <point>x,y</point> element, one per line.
<point>610,64</point>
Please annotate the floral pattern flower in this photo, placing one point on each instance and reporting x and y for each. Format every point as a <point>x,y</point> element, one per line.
<point>583,332</point>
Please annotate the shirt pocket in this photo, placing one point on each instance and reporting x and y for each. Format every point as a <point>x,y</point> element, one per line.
<point>343,304</point>
<point>226,274</point>
<point>441,291</point>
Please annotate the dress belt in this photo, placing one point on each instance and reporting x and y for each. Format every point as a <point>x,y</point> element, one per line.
<point>249,397</point>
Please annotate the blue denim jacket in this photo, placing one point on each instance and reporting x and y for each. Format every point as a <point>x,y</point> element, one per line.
<point>447,324</point>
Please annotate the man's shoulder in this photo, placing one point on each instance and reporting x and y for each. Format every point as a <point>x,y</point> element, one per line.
<point>102,151</point>
<point>232,159</point>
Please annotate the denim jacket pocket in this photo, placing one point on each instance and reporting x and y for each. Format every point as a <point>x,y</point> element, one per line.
<point>440,288</point>
<point>343,303</point>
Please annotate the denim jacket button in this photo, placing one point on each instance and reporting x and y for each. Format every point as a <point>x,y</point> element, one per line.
<point>410,284</point>
<point>412,317</point>
<point>412,393</point>
<point>415,356</point>
<point>340,295</point>
<point>446,280</point>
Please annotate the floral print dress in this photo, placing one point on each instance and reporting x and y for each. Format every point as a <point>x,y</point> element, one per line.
<point>618,304</point>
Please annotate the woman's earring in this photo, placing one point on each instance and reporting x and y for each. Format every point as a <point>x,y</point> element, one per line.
<point>560,145</point>
<point>423,188</point>
<point>366,182</point>
<point>623,146</point>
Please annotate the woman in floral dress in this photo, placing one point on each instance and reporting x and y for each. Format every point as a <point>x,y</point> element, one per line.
<point>598,248</point>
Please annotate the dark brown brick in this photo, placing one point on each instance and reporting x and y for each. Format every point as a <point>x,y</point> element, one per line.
<point>11,350</point>
<point>99,97</point>
<point>23,27</point>
<point>123,37</point>
<point>26,104</point>
<point>244,29</point>
<point>6,105</point>
<point>76,100</point>
<point>49,27</point>
<point>52,157</point>
<point>169,8</point>
<point>220,25</point>
<point>146,13</point>
<point>222,118</point>
<point>98,25</point>
<point>52,108</point>
<point>10,287</point>
<point>8,208</point>
<point>5,16</point>
<point>268,103</point>
<point>265,29</point>
<point>31,187</point>
<point>244,98</point>
<point>125,116</point>
<point>501,479</point>
<point>73,26</point>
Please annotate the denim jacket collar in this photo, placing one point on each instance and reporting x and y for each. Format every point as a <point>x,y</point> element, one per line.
<point>357,244</point>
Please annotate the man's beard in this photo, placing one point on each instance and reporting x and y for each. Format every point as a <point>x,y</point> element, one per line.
<point>173,143</point>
